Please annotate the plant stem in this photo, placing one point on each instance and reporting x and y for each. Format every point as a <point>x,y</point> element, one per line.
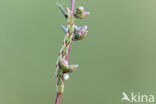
<point>72,5</point>
<point>58,97</point>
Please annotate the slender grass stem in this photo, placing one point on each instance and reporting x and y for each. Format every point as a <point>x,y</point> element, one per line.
<point>72,5</point>
<point>58,98</point>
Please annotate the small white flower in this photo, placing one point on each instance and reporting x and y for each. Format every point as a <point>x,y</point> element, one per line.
<point>65,76</point>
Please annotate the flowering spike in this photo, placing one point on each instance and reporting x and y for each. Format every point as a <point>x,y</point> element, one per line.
<point>72,32</point>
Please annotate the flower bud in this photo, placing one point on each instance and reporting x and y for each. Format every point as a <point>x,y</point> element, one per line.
<point>80,13</point>
<point>63,64</point>
<point>67,10</point>
<point>80,8</point>
<point>80,35</point>
<point>82,28</point>
<point>79,32</point>
<point>84,14</point>
<point>65,76</point>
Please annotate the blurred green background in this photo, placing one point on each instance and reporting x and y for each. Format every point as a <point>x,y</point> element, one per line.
<point>118,54</point>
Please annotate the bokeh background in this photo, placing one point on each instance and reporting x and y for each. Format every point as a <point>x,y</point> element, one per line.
<point>119,53</point>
